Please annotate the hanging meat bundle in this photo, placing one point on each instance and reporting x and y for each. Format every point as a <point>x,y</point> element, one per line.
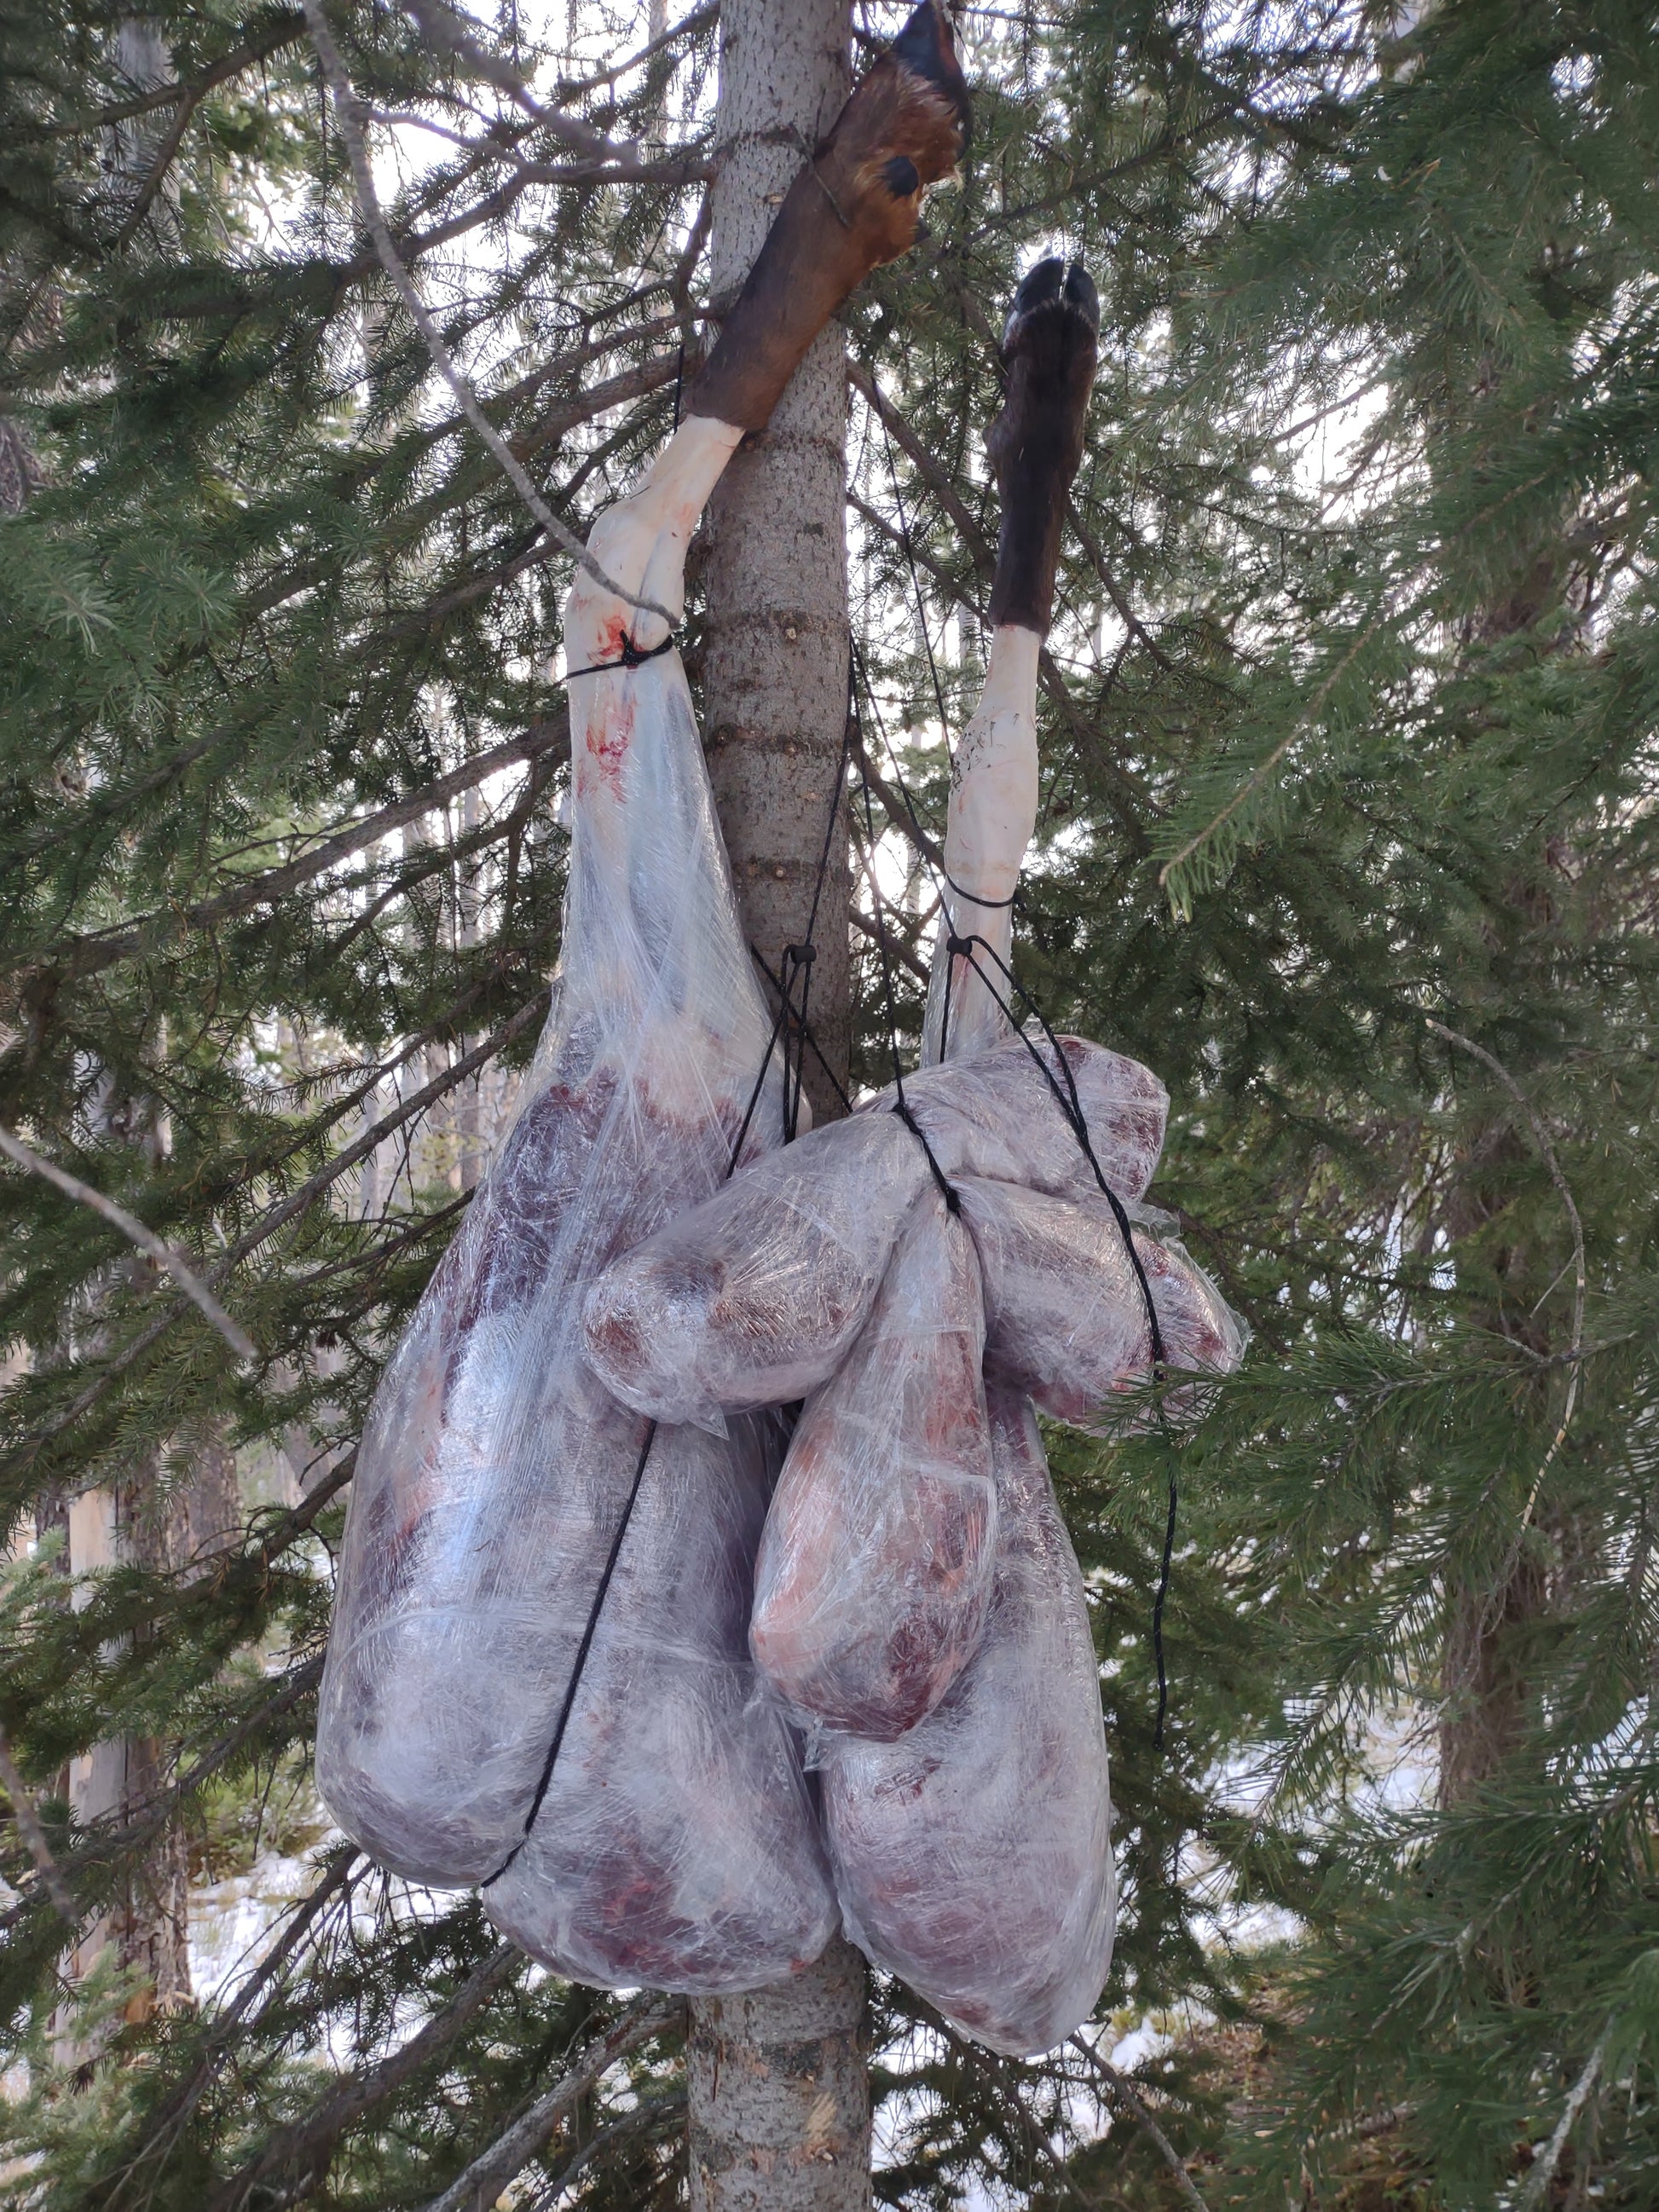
<point>538,1677</point>
<point>973,1857</point>
<point>582,1616</point>
<point>754,1298</point>
<point>917,1596</point>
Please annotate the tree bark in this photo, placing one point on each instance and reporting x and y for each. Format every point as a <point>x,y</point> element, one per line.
<point>775,543</point>
<point>778,2079</point>
<point>778,2084</point>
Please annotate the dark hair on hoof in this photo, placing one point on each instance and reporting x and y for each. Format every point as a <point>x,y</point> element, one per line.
<point>1048,351</point>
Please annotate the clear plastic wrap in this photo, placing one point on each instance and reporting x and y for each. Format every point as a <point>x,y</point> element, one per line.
<point>973,1857</point>
<point>755,1296</point>
<point>676,1846</point>
<point>495,1471</point>
<point>1066,1317</point>
<point>875,1569</point>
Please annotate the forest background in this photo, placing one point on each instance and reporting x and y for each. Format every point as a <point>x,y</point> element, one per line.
<point>1347,830</point>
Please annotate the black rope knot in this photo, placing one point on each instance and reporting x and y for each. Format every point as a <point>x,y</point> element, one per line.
<point>631,656</point>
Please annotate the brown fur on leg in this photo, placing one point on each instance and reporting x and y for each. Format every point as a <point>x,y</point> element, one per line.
<point>855,205</point>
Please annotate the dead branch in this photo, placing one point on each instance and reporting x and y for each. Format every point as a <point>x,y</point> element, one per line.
<point>1122,2092</point>
<point>301,2150</point>
<point>25,1156</point>
<point>350,112</point>
<point>488,2174</point>
<point>31,1829</point>
<point>867,928</point>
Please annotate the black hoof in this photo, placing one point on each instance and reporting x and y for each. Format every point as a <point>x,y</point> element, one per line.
<point>1048,348</point>
<point>1051,288</point>
<point>927,47</point>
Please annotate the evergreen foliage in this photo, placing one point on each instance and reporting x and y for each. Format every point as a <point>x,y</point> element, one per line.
<point>1348,830</point>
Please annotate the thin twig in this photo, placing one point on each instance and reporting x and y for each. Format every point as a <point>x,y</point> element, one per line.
<point>448,29</point>
<point>340,1870</point>
<point>1541,1134</point>
<point>30,1827</point>
<point>649,2114</point>
<point>700,19</point>
<point>350,109</point>
<point>489,2174</point>
<point>624,168</point>
<point>25,1156</point>
<point>1543,2169</point>
<point>1123,2091</point>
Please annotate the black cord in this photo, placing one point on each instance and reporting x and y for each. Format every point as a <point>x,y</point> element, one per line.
<point>1072,1109</point>
<point>580,1661</point>
<point>901,1106</point>
<point>916,574</point>
<point>631,656</point>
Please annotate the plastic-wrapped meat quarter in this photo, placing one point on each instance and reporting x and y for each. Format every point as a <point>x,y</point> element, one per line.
<point>973,1856</point>
<point>496,1470</point>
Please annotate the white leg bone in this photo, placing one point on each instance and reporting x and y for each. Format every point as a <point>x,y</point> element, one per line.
<point>994,802</point>
<point>641,543</point>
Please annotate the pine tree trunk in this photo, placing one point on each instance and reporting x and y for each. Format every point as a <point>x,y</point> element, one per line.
<point>778,2079</point>
<point>775,672</point>
<point>130,1523</point>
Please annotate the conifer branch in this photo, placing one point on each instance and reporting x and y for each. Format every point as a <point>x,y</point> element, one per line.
<point>107,1845</point>
<point>298,1202</point>
<point>1547,1149</point>
<point>1121,2091</point>
<point>488,2174</point>
<point>1125,792</point>
<point>349,110</point>
<point>700,19</point>
<point>31,1828</point>
<point>25,1156</point>
<point>340,1870</point>
<point>621,167</point>
<point>446,28</point>
<point>87,955</point>
<point>1263,769</point>
<point>297,2156</point>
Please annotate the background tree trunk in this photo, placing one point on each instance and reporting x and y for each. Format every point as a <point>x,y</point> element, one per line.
<point>778,2079</point>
